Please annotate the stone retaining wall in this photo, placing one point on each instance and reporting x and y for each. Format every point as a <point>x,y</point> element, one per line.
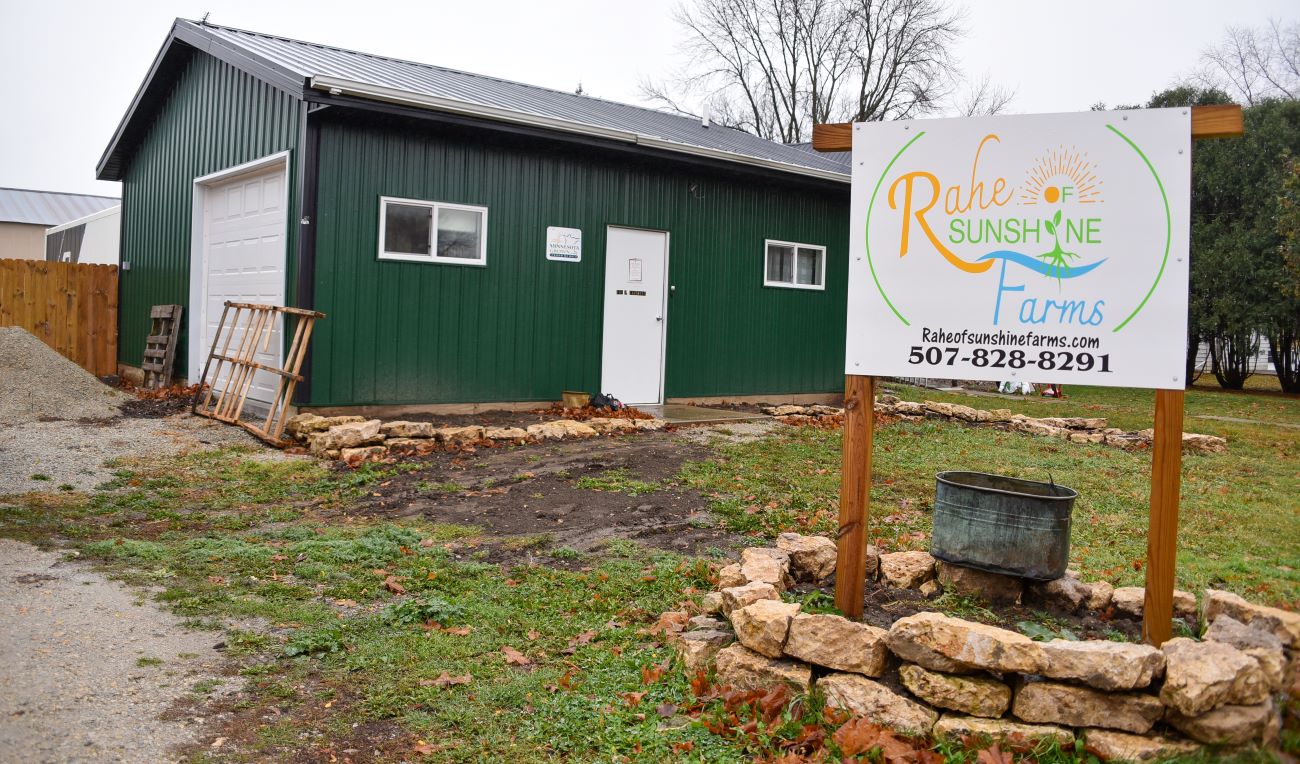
<point>355,439</point>
<point>931,674</point>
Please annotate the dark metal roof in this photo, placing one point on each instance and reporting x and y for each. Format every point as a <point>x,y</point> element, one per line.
<point>48,208</point>
<point>323,69</point>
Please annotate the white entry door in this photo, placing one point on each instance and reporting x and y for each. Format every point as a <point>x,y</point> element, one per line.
<point>632,350</point>
<point>243,253</point>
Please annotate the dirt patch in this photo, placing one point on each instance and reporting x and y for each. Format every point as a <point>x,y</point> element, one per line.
<point>567,494</point>
<point>98,667</point>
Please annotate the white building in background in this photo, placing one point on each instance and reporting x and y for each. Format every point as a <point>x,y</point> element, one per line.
<point>25,214</point>
<point>90,239</point>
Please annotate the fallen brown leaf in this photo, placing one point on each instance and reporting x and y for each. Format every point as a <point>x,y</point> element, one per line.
<point>514,657</point>
<point>446,680</point>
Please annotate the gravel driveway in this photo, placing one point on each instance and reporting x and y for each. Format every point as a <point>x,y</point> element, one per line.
<point>88,667</point>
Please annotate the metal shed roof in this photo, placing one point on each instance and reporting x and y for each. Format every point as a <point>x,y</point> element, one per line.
<point>48,208</point>
<point>324,70</point>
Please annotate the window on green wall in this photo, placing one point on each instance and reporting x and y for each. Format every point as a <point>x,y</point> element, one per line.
<point>432,232</point>
<point>794,266</point>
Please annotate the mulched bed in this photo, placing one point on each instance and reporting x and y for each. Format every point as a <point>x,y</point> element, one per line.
<point>885,604</point>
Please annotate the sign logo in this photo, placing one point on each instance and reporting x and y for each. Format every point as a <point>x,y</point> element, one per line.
<point>564,244</point>
<point>1059,223</point>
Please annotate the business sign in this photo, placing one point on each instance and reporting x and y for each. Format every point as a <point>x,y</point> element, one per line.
<point>564,244</point>
<point>1041,248</point>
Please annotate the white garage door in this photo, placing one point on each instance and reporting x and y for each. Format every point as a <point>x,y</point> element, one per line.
<point>244,259</point>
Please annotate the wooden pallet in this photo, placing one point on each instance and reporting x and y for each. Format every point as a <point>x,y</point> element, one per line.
<point>160,345</point>
<point>224,399</point>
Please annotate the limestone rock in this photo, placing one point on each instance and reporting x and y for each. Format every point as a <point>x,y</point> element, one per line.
<point>1283,623</point>
<point>764,625</point>
<point>423,445</point>
<point>346,435</point>
<point>1226,725</point>
<point>1035,427</point>
<point>812,558</point>
<point>711,603</point>
<point>990,587</point>
<point>505,433</point>
<point>930,589</point>
<point>1081,707</point>
<point>1205,444</point>
<point>460,435</point>
<point>1122,746</point>
<point>743,669</point>
<point>303,425</point>
<point>1102,664</point>
<point>552,430</point>
<point>771,566</point>
<point>957,727</point>
<point>1075,422</point>
<point>957,411</point>
<point>730,575</point>
<point>698,648</point>
<point>788,409</point>
<point>1184,603</point>
<point>1099,594</point>
<point>1087,437</point>
<point>1272,664</point>
<point>362,453</point>
<point>609,424</point>
<point>838,643</point>
<point>1128,600</point>
<point>706,622</point>
<point>1065,593</point>
<point>977,696</point>
<point>941,643</point>
<point>735,597</point>
<point>402,429</point>
<point>1201,676</point>
<point>879,704</point>
<point>1231,631</point>
<point>909,408</point>
<point>906,570</point>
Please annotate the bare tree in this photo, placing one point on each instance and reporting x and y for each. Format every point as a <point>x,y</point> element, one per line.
<point>1254,64</point>
<point>982,99</point>
<point>776,67</point>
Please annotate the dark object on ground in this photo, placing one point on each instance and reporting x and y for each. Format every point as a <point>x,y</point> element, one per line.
<point>1003,524</point>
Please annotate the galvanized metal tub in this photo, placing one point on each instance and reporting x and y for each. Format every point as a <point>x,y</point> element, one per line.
<point>1002,524</point>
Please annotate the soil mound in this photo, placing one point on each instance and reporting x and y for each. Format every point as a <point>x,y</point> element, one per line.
<point>36,383</point>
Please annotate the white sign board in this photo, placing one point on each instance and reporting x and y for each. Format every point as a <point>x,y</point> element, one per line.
<point>1040,248</point>
<point>564,244</point>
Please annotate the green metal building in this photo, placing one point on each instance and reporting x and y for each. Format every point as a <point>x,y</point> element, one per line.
<point>472,239</point>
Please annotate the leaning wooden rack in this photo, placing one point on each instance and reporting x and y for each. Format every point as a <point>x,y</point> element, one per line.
<point>225,399</point>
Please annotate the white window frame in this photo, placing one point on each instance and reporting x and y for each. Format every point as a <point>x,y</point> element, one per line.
<point>432,257</point>
<point>821,269</point>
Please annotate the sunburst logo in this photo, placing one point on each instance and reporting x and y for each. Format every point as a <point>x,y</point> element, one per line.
<point>1061,175</point>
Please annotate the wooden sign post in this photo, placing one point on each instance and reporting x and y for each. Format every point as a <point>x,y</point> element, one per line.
<point>1166,453</point>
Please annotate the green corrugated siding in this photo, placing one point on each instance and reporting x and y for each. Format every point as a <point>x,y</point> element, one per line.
<point>524,328</point>
<point>214,118</point>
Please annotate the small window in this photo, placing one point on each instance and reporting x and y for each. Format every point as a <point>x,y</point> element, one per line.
<point>432,232</point>
<point>797,266</point>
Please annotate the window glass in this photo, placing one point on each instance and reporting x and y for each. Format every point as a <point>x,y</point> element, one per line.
<point>780,263</point>
<point>459,233</point>
<point>809,271</point>
<point>407,228</point>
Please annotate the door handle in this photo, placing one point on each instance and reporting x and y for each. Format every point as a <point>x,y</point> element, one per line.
<point>659,318</point>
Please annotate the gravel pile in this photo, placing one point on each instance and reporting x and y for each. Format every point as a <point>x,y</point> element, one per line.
<point>37,383</point>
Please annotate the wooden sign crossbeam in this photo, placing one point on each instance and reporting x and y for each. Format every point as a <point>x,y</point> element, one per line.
<point>1166,457</point>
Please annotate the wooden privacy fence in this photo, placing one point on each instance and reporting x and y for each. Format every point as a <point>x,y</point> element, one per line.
<point>72,307</point>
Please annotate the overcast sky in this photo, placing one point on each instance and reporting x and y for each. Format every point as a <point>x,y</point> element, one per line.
<point>68,69</point>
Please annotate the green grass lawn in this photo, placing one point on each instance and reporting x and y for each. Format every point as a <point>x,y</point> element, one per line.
<point>1240,516</point>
